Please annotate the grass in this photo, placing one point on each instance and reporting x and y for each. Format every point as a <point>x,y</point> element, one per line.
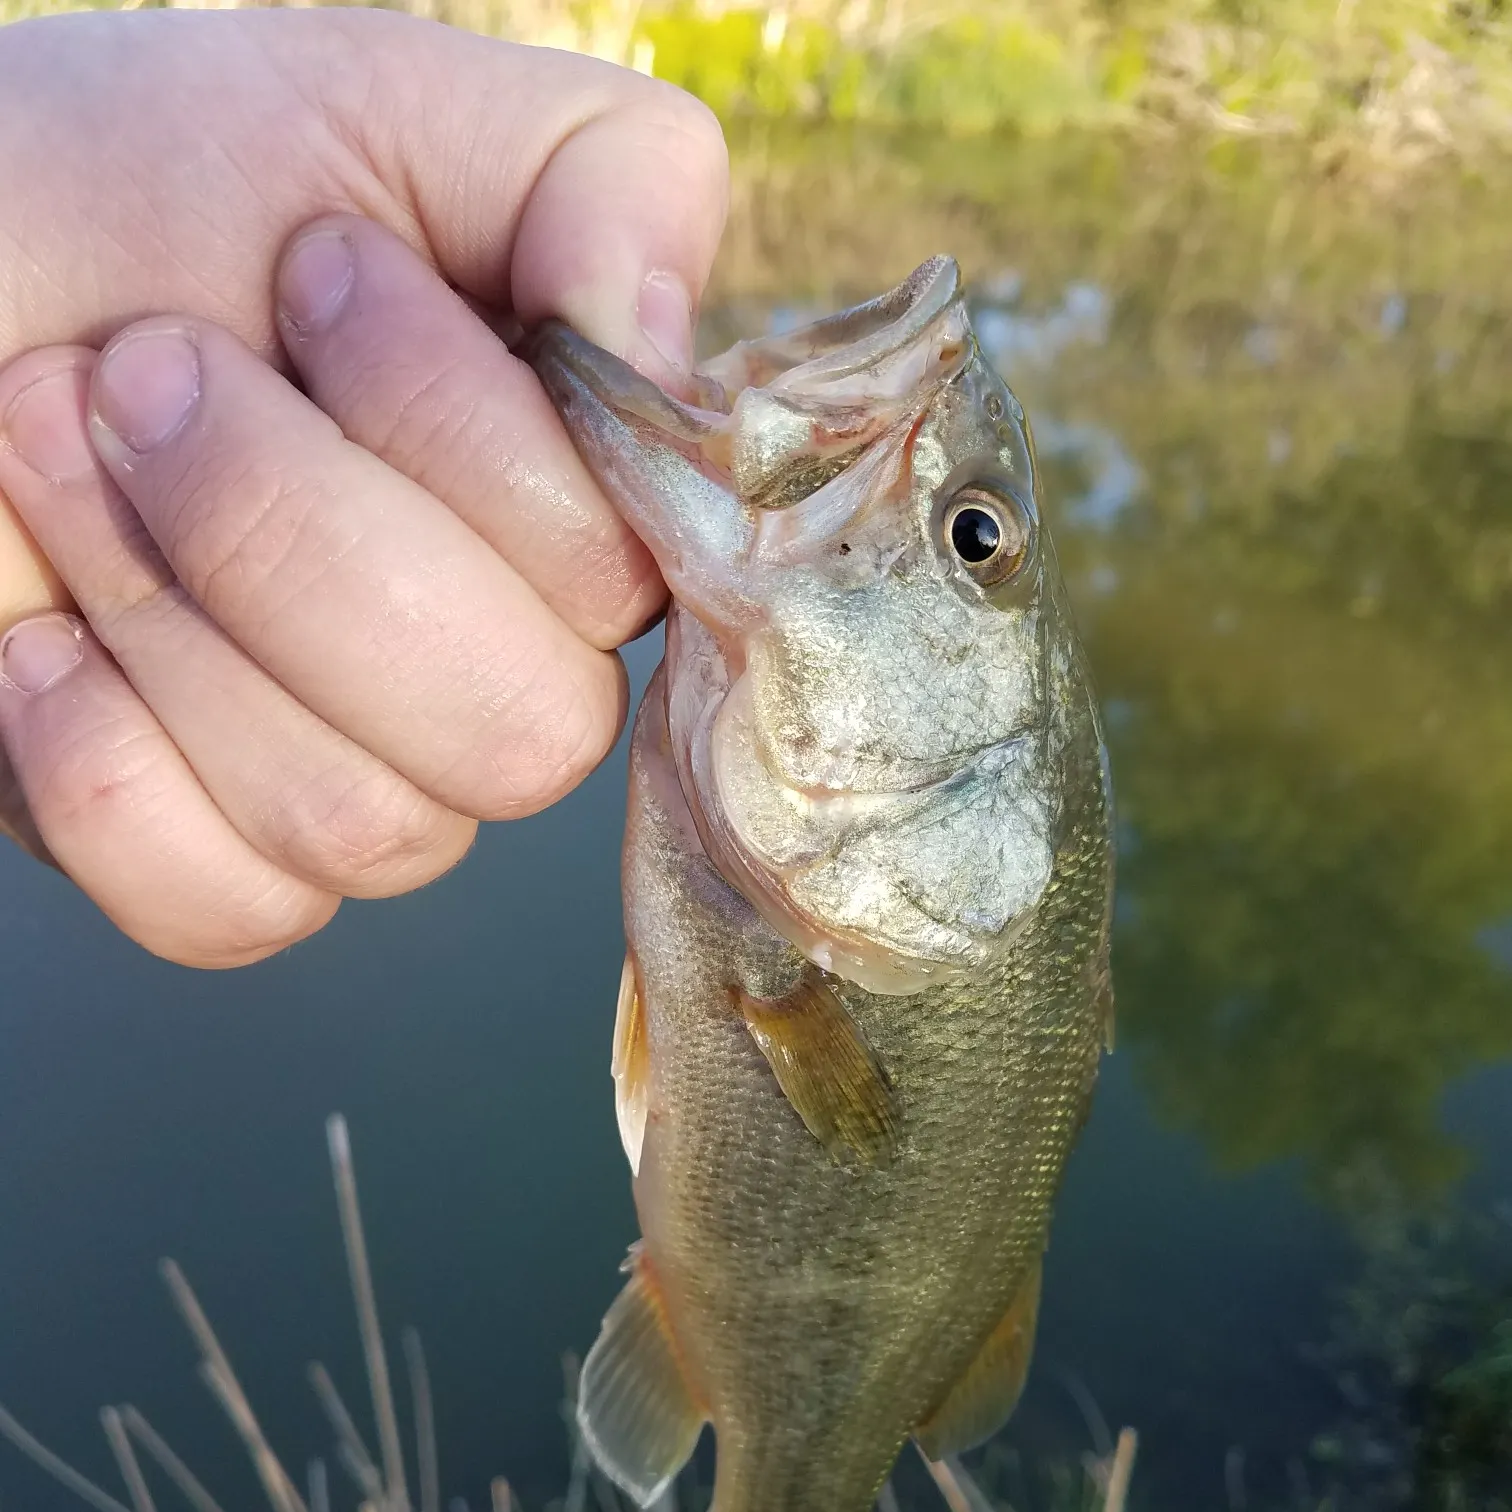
<point>382,1481</point>
<point>1402,81</point>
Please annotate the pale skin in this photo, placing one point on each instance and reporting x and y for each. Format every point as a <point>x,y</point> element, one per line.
<point>300,578</point>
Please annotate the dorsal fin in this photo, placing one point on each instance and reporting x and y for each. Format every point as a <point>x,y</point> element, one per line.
<point>631,1066</point>
<point>637,1413</point>
<point>985,1396</point>
<point>826,1069</point>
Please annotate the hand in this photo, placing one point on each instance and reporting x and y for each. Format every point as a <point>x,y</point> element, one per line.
<point>313,639</point>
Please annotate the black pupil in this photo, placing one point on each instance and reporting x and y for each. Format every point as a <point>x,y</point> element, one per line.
<point>975,535</point>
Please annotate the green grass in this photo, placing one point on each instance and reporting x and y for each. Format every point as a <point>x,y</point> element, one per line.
<point>1401,81</point>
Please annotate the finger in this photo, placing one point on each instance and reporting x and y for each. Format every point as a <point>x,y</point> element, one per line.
<point>364,596</point>
<point>28,583</point>
<point>620,228</point>
<point>15,818</point>
<point>391,353</point>
<point>553,181</point>
<point>117,806</point>
<point>300,792</point>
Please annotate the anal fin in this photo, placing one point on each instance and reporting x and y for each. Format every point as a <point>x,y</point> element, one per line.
<point>636,1411</point>
<point>826,1069</point>
<point>631,1066</point>
<point>985,1396</point>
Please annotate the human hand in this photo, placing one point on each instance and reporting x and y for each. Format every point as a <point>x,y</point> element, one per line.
<point>315,639</point>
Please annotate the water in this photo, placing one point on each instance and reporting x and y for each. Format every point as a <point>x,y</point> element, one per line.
<point>1274,428</point>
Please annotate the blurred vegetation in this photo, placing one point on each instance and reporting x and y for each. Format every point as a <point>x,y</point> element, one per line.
<point>1400,82</point>
<point>1420,1354</point>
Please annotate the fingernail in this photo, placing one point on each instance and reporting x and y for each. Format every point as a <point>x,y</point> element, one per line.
<point>315,279</point>
<point>664,313</point>
<point>39,651</point>
<point>45,425</point>
<point>146,386</point>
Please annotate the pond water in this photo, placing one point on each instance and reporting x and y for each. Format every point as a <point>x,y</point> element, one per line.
<point>1273,422</point>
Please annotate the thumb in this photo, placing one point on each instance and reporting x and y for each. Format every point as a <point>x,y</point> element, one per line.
<point>554,184</point>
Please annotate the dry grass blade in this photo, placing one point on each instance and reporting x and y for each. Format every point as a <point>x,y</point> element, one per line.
<point>168,1462</point>
<point>320,1491</point>
<point>217,1374</point>
<point>502,1497</point>
<point>131,1471</point>
<point>276,1483</point>
<point>1122,1472</point>
<point>60,1470</point>
<point>427,1467</point>
<point>367,1312</point>
<point>354,1453</point>
<point>950,1488</point>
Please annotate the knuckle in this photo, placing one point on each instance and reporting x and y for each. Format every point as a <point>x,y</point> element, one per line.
<point>239,527</point>
<point>108,780</point>
<point>100,775</point>
<point>550,739</point>
<point>272,915</point>
<point>429,417</point>
<point>698,148</point>
<point>370,836</point>
<point>155,603</point>
<point>630,598</point>
<point>698,123</point>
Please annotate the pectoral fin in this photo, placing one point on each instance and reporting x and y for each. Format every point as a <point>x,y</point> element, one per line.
<point>826,1070</point>
<point>631,1066</point>
<point>983,1399</point>
<point>636,1411</point>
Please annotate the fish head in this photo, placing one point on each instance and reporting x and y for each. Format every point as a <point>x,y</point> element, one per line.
<point>869,644</point>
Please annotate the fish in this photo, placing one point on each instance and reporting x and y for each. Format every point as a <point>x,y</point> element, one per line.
<point>867,876</point>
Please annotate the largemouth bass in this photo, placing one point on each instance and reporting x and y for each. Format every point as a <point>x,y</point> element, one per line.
<point>867,877</point>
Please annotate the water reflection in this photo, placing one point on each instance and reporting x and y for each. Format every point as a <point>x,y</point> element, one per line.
<point>1273,429</point>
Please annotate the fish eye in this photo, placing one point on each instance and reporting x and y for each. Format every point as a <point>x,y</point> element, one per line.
<point>986,533</point>
<point>974,534</point>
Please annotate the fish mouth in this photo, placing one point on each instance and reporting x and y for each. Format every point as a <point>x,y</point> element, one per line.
<point>855,813</point>
<point>818,359</point>
<point>577,372</point>
<point>933,774</point>
<point>762,427</point>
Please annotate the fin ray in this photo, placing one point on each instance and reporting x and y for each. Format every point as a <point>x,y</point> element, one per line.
<point>985,1396</point>
<point>635,1409</point>
<point>826,1069</point>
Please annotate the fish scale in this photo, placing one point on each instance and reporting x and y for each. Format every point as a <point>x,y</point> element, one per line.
<point>862,1021</point>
